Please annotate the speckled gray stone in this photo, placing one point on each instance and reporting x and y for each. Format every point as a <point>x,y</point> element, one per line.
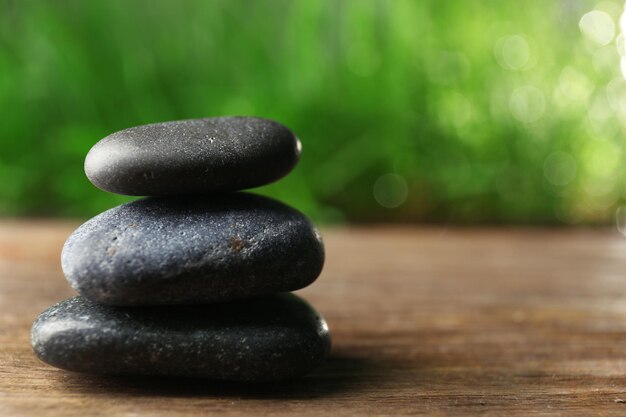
<point>161,250</point>
<point>193,156</point>
<point>272,338</point>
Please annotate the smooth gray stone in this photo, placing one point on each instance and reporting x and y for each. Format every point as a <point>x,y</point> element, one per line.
<point>185,250</point>
<point>272,338</point>
<point>193,156</point>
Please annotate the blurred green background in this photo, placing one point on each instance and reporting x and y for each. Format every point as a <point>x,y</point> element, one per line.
<point>409,111</point>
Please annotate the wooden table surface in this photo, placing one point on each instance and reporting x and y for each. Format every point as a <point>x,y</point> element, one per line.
<point>425,322</point>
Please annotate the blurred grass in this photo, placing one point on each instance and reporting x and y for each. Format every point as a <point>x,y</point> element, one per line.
<point>482,112</point>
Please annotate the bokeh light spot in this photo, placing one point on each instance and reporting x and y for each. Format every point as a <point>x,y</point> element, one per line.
<point>527,104</point>
<point>620,219</point>
<point>574,84</point>
<point>622,24</point>
<point>598,26</point>
<point>390,190</point>
<point>601,158</point>
<point>622,66</point>
<point>600,117</point>
<point>619,43</point>
<point>512,52</point>
<point>615,92</point>
<point>559,168</point>
<point>455,108</point>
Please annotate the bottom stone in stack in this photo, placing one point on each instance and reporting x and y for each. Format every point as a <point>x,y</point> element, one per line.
<point>271,338</point>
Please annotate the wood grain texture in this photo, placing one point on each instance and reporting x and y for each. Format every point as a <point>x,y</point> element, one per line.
<point>425,322</point>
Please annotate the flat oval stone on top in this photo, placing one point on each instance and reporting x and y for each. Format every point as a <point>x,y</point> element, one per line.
<point>202,249</point>
<point>193,156</point>
<point>272,338</point>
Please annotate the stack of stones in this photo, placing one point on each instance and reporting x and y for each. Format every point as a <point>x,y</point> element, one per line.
<point>194,280</point>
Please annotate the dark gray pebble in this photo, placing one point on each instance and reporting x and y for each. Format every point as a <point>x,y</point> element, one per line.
<point>221,247</point>
<point>272,338</point>
<point>193,156</point>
